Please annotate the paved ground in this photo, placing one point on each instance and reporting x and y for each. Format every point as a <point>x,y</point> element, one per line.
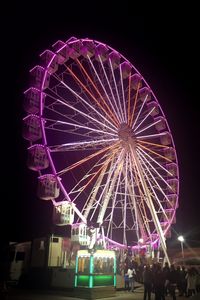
<point>16,294</point>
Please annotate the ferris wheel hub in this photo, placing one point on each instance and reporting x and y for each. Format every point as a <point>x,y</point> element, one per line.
<point>126,134</point>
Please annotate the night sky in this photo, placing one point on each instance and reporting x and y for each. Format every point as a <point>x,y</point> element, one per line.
<point>163,49</point>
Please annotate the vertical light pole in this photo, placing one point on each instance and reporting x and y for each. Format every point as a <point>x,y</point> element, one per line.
<point>181,239</point>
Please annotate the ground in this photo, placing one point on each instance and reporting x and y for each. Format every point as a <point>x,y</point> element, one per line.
<point>15,294</point>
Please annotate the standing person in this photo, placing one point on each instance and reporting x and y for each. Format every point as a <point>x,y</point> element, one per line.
<point>159,283</point>
<point>191,282</point>
<point>173,282</point>
<point>126,281</point>
<point>183,282</point>
<point>166,271</point>
<point>148,282</point>
<point>131,274</point>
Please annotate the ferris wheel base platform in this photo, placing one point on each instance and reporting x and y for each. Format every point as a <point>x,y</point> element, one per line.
<point>95,292</point>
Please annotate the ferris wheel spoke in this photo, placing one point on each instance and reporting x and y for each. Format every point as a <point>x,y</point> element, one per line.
<point>74,125</point>
<point>108,82</point>
<point>85,159</point>
<point>87,116</point>
<point>109,112</point>
<point>116,109</point>
<point>125,199</point>
<point>142,214</point>
<point>123,97</point>
<point>156,182</point>
<point>144,191</point>
<point>96,89</point>
<point>99,203</point>
<point>138,222</point>
<point>153,190</point>
<point>134,105</point>
<point>152,211</point>
<point>109,230</point>
<point>152,167</point>
<point>90,107</point>
<point>111,187</point>
<point>139,113</point>
<point>103,162</point>
<point>76,112</point>
<point>156,135</point>
<point>153,144</point>
<point>61,115</point>
<point>155,161</point>
<point>147,127</point>
<point>92,197</point>
<point>82,145</point>
<point>129,99</point>
<point>117,92</point>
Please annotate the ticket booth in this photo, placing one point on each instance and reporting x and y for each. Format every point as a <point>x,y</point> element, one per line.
<point>95,273</point>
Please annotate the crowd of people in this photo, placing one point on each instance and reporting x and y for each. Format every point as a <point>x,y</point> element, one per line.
<point>163,281</point>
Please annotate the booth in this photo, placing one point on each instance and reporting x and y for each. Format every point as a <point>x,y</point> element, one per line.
<point>95,273</point>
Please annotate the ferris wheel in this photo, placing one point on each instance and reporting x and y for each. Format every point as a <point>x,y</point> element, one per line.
<point>101,144</point>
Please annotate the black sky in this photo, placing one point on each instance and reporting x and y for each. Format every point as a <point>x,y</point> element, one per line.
<point>163,49</point>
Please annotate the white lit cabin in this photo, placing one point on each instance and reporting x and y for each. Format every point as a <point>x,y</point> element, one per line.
<point>79,234</point>
<point>63,214</point>
<point>37,158</point>
<point>48,187</point>
<point>49,61</point>
<point>32,128</point>
<point>40,77</point>
<point>32,100</point>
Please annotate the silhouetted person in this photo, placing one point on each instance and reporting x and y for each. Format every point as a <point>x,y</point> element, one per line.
<point>172,282</point>
<point>166,271</point>
<point>148,282</point>
<point>159,283</point>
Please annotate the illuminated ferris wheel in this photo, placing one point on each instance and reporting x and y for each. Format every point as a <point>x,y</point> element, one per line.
<point>101,144</point>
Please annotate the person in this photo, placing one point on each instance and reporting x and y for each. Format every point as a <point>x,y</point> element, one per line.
<point>183,289</point>
<point>126,282</point>
<point>166,271</point>
<point>148,282</point>
<point>191,282</point>
<point>173,282</point>
<point>159,283</point>
<point>131,274</point>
